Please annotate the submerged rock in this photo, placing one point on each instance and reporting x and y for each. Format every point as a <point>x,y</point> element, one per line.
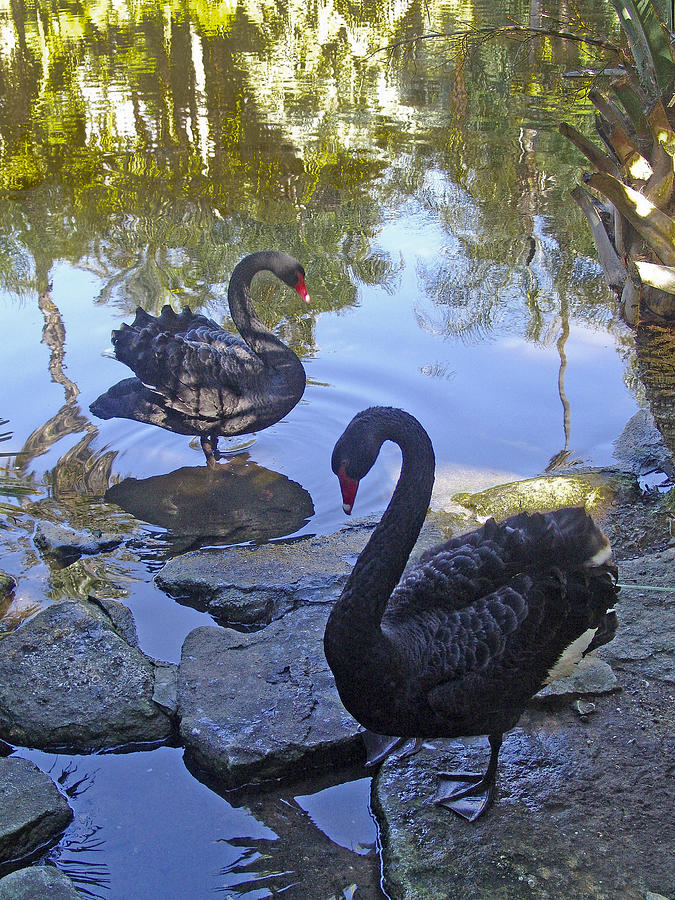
<point>65,545</point>
<point>69,680</point>
<point>36,883</point>
<point>237,502</point>
<point>7,583</point>
<point>33,813</point>
<point>263,705</point>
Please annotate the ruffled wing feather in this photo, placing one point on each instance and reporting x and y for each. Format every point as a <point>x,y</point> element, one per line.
<point>194,366</point>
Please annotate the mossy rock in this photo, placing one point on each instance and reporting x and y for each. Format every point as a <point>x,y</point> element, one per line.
<point>596,491</point>
<point>7,583</point>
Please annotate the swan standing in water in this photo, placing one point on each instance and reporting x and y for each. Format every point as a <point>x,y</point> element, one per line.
<point>193,377</point>
<point>458,645</point>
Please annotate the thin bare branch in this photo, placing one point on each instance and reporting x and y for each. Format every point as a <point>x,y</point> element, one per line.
<point>510,30</point>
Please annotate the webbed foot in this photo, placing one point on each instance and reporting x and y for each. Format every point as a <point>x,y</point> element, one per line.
<point>379,746</point>
<point>466,793</point>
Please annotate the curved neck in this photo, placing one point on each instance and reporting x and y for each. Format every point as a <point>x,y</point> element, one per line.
<point>260,339</point>
<point>382,561</point>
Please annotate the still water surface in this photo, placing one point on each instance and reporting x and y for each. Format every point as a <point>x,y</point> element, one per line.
<point>144,152</point>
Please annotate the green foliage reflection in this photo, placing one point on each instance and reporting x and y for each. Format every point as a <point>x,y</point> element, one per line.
<point>157,143</point>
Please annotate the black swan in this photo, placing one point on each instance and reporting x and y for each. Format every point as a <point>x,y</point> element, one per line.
<point>193,377</point>
<point>459,645</point>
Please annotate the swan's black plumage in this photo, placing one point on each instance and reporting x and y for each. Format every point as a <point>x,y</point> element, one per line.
<point>193,377</point>
<point>459,645</point>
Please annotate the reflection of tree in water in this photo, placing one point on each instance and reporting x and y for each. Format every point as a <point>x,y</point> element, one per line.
<point>78,470</point>
<point>656,366</point>
<point>77,475</point>
<point>302,861</point>
<point>231,115</point>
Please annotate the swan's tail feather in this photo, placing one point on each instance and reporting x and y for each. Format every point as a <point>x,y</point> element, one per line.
<point>569,541</point>
<point>567,538</point>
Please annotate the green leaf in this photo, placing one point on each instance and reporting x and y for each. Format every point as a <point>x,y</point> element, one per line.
<point>659,42</point>
<point>633,101</point>
<point>649,45</point>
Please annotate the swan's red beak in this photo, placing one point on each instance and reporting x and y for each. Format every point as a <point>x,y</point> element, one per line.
<point>348,486</point>
<point>301,288</point>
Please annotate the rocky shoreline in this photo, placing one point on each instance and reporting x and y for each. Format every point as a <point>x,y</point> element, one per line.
<point>586,787</point>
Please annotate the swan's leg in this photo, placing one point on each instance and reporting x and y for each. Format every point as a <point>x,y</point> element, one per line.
<point>210,447</point>
<point>467,793</point>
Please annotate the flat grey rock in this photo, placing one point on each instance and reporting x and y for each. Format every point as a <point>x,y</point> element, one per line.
<point>590,677</point>
<point>253,586</point>
<point>38,883</point>
<point>250,586</point>
<point>263,705</point>
<point>33,813</point>
<point>69,680</point>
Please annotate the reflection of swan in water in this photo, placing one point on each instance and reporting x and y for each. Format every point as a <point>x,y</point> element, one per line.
<point>238,502</point>
<point>193,377</point>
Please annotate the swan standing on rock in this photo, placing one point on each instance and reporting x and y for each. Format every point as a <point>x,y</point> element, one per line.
<point>193,377</point>
<point>459,645</point>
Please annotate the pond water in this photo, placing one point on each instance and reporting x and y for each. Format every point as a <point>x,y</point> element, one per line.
<point>145,150</point>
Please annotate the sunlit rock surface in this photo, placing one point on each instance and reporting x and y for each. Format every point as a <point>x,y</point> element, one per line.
<point>263,705</point>
<point>70,680</point>
<point>33,812</point>
<point>568,784</point>
<point>596,490</point>
<point>634,521</point>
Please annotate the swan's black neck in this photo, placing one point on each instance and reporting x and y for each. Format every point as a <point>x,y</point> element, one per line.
<point>260,339</point>
<point>358,612</point>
